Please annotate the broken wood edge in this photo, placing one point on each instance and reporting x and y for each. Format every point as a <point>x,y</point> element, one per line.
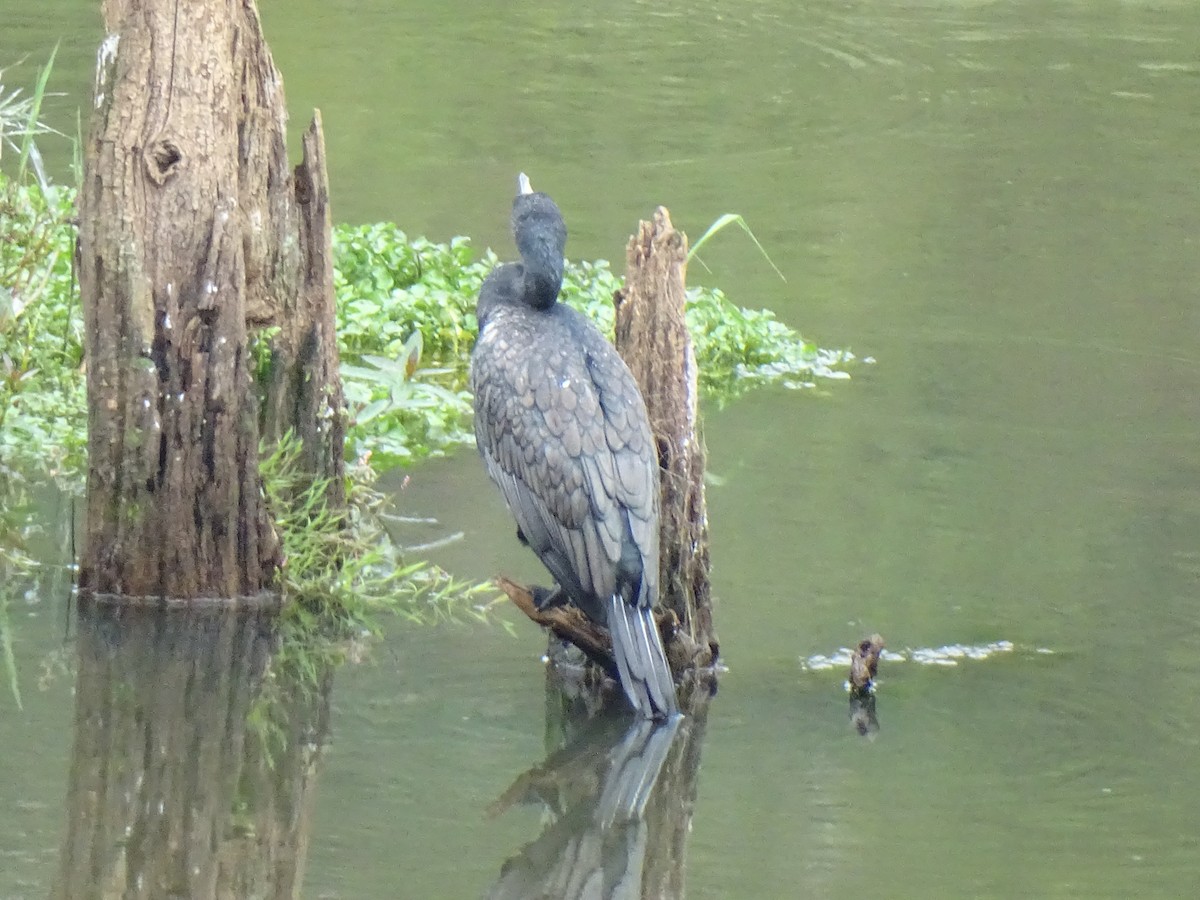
<point>651,334</point>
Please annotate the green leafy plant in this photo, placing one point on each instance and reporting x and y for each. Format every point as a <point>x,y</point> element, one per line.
<point>743,348</point>
<point>736,348</point>
<point>391,289</point>
<point>41,335</point>
<point>341,567</point>
<point>389,286</point>
<point>397,414</point>
<point>391,293</point>
<point>40,331</point>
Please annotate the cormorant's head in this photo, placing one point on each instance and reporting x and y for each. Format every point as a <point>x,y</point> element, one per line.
<point>541,236</point>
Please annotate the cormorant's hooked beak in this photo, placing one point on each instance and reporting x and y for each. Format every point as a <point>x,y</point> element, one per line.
<point>523,185</point>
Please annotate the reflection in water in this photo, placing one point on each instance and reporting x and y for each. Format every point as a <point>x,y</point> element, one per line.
<point>620,806</point>
<point>862,714</point>
<point>193,764</point>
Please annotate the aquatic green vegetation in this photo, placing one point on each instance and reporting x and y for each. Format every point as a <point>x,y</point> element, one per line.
<point>342,576</point>
<point>39,340</point>
<point>341,568</point>
<point>736,348</point>
<point>739,348</point>
<point>41,330</point>
<point>41,388</point>
<point>391,288</point>
<point>405,320</point>
<point>389,285</point>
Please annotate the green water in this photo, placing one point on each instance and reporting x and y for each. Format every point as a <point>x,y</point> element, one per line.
<point>996,201</point>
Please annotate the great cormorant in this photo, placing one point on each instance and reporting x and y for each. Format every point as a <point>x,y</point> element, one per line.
<point>563,431</point>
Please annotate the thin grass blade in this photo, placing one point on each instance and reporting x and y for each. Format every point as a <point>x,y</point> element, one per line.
<point>33,123</point>
<point>723,222</point>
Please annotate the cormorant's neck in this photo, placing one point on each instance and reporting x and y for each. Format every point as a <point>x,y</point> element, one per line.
<point>542,285</point>
<point>541,236</point>
<point>504,286</point>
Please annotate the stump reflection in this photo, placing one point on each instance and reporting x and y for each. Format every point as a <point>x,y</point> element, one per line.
<point>619,796</point>
<point>185,781</point>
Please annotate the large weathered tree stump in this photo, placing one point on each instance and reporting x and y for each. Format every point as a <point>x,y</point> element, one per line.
<point>191,227</point>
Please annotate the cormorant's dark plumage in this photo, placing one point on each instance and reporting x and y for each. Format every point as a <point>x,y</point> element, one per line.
<point>563,431</point>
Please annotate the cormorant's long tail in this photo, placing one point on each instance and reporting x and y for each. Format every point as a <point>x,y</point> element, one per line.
<point>641,661</point>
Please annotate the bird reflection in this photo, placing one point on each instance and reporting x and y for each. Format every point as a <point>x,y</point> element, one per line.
<point>604,838</point>
<point>863,716</point>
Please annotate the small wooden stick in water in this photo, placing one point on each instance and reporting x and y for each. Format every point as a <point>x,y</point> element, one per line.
<point>864,664</point>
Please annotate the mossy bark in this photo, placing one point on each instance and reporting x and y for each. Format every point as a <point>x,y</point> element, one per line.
<point>191,235</point>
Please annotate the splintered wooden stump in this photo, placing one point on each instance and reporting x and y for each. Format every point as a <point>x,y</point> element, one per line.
<point>652,337</point>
